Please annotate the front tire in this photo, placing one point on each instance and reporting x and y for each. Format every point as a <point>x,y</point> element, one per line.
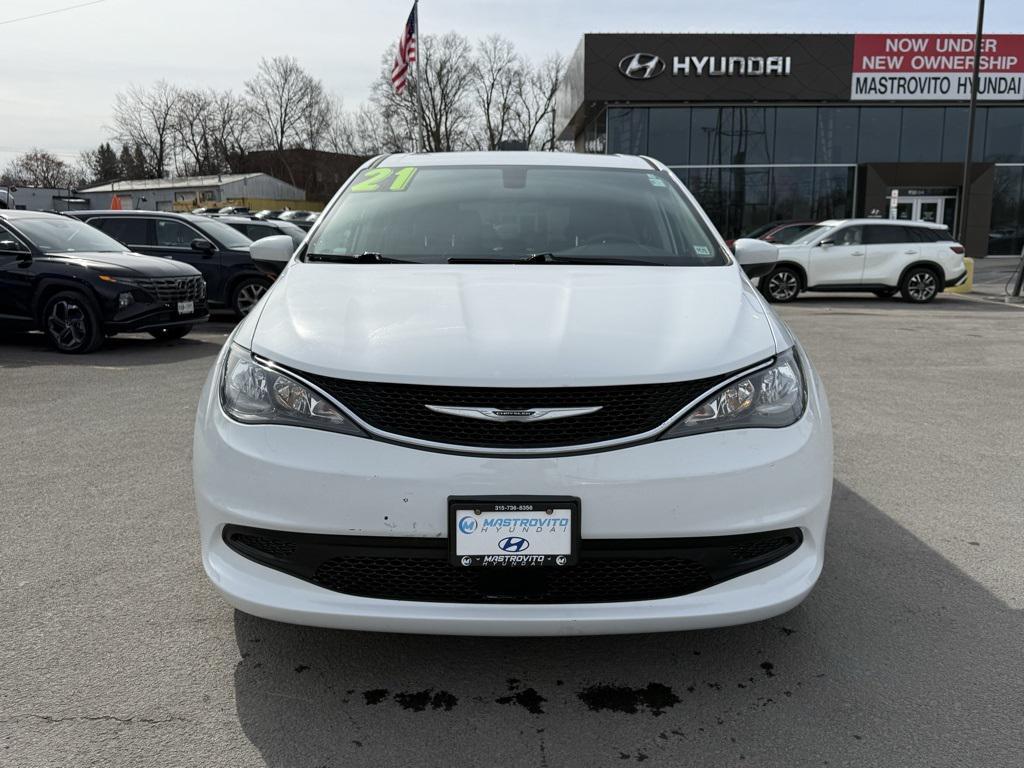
<point>920,285</point>
<point>246,293</point>
<point>72,323</point>
<point>781,285</point>
<point>172,333</point>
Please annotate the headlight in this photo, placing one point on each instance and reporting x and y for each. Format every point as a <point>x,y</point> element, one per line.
<point>773,397</point>
<point>258,394</point>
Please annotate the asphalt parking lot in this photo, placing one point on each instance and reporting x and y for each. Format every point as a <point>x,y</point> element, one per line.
<point>116,651</point>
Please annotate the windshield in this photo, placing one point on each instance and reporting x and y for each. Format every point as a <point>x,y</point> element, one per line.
<point>508,213</point>
<point>812,234</point>
<point>227,236</point>
<point>59,234</point>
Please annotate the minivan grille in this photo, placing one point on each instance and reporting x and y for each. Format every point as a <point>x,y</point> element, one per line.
<point>609,570</point>
<point>172,289</point>
<point>401,409</point>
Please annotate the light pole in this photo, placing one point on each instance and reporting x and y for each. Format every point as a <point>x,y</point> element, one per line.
<point>966,187</point>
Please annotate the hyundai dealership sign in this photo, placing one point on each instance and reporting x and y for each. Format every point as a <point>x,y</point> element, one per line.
<point>936,67</point>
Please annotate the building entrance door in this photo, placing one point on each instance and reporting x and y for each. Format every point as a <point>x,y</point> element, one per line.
<point>933,209</point>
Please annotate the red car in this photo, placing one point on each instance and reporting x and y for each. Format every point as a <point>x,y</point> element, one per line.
<point>778,232</point>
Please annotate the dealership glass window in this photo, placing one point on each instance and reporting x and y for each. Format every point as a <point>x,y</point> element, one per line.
<point>627,130</point>
<point>921,134</point>
<point>1006,234</point>
<point>705,141</point>
<point>794,134</point>
<point>837,135</point>
<point>879,140</point>
<point>1004,135</point>
<point>594,134</point>
<point>792,190</point>
<point>668,135</point>
<point>749,203</point>
<point>754,134</point>
<point>731,135</point>
<point>954,134</point>
<point>833,193</point>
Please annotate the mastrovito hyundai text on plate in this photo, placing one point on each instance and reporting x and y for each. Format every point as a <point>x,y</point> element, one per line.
<point>513,394</point>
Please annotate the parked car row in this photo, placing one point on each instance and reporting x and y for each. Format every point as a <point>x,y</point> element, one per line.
<point>78,285</point>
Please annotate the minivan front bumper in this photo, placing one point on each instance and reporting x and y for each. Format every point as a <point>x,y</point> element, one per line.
<point>713,485</point>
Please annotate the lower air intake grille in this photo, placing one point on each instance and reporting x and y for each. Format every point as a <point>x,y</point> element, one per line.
<point>609,570</point>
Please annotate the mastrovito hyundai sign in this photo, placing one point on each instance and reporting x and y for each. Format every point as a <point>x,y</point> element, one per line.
<point>936,67</point>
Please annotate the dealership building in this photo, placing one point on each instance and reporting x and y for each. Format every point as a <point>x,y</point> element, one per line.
<point>773,127</point>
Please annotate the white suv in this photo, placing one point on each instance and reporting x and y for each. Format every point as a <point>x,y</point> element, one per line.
<point>513,393</point>
<point>878,255</point>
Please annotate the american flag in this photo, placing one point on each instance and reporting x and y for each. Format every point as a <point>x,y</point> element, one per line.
<point>406,52</point>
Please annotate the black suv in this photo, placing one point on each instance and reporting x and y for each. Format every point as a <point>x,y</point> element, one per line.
<point>218,251</point>
<point>77,285</point>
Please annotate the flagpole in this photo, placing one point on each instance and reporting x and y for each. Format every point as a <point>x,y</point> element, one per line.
<point>419,95</point>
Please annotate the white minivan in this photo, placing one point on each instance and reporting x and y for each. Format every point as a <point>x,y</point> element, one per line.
<point>506,393</point>
<point>883,256</point>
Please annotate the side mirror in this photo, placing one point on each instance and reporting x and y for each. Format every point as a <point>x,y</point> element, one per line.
<point>826,242</point>
<point>756,257</point>
<point>272,252</point>
<point>203,246</point>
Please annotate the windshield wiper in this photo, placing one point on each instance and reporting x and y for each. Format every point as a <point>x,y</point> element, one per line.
<point>366,257</point>
<point>547,257</point>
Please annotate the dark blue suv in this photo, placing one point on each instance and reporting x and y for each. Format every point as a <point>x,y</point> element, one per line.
<point>220,252</point>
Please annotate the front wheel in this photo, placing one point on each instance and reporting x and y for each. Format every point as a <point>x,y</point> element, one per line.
<point>780,285</point>
<point>920,285</point>
<point>246,293</point>
<point>72,324</point>
<point>172,333</point>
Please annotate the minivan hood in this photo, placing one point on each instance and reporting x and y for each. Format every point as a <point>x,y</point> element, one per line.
<point>517,325</point>
<point>148,266</point>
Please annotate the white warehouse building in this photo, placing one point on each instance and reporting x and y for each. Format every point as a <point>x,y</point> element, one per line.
<point>162,194</point>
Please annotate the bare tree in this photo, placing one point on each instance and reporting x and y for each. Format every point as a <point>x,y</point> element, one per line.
<point>534,113</point>
<point>341,131</point>
<point>233,132</point>
<point>444,85</point>
<point>497,83</point>
<point>144,119</point>
<point>39,168</point>
<point>289,107</point>
<point>194,151</point>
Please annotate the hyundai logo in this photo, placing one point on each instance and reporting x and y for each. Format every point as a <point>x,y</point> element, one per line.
<point>513,544</point>
<point>641,66</point>
<point>467,524</point>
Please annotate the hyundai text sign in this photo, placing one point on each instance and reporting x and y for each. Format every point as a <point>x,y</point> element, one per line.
<point>708,67</point>
<point>936,67</point>
<point>644,66</point>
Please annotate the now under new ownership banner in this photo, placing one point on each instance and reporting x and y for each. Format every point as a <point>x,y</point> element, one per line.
<point>936,67</point>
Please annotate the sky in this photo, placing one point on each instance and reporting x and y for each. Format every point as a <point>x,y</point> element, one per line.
<point>59,73</point>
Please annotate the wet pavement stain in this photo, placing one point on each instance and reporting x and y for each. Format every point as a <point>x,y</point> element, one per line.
<point>654,698</point>
<point>375,696</point>
<point>418,701</point>
<point>528,698</point>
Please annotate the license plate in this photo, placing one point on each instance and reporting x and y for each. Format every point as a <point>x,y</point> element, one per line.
<point>186,307</point>
<point>514,532</point>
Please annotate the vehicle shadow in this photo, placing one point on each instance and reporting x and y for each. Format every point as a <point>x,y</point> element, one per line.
<point>23,350</point>
<point>877,667</point>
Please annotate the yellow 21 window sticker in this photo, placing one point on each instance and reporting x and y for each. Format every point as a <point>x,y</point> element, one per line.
<point>384,180</point>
